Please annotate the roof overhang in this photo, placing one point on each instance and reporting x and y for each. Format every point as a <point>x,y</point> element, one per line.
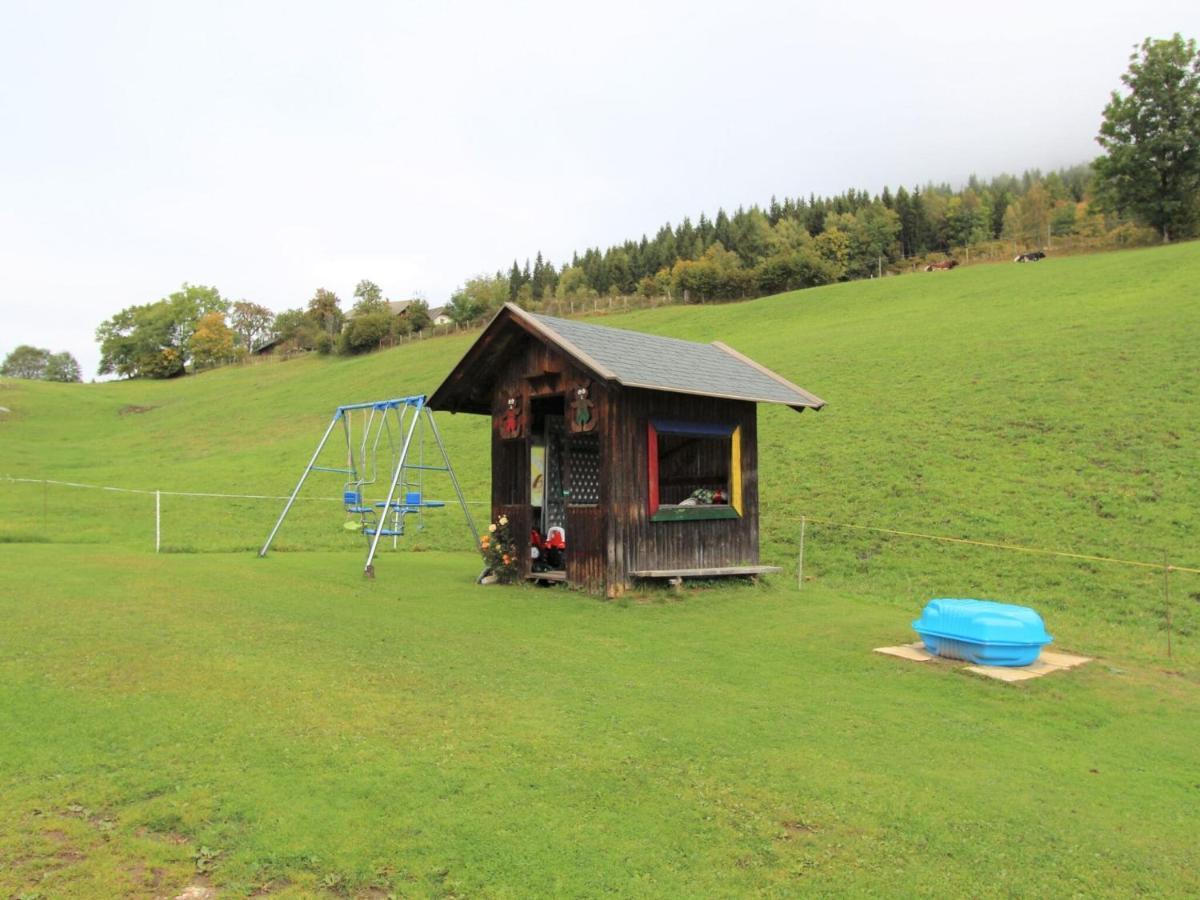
<point>468,386</point>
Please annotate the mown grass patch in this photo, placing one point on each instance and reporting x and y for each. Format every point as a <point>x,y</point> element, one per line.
<point>425,736</point>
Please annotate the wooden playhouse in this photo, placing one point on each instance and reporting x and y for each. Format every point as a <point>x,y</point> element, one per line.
<point>641,451</point>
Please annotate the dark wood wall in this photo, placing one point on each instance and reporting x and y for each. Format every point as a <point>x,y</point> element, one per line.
<point>609,540</point>
<point>636,543</point>
<point>538,370</point>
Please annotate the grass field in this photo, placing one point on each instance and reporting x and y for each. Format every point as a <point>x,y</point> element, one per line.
<point>202,714</point>
<point>315,731</point>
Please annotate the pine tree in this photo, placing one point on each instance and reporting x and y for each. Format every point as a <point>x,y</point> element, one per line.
<point>514,282</point>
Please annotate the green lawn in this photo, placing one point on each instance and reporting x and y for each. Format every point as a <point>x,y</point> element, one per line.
<point>419,735</point>
<point>428,737</point>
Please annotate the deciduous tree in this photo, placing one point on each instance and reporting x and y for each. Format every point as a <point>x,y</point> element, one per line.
<point>211,344</point>
<point>326,310</point>
<point>63,367</point>
<point>26,362</point>
<point>1151,138</point>
<point>251,322</point>
<point>151,340</point>
<point>368,298</point>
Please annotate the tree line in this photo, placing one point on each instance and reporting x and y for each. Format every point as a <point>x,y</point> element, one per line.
<point>195,328</point>
<point>801,242</point>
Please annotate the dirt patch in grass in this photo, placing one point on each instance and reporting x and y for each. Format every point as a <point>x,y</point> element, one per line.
<point>132,410</point>
<point>197,890</point>
<point>792,828</point>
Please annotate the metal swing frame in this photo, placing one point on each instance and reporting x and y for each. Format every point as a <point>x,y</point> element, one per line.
<point>357,471</point>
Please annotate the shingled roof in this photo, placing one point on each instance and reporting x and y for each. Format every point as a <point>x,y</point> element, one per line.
<point>627,358</point>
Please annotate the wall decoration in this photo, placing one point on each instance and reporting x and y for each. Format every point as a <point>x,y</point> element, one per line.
<point>583,412</point>
<point>510,420</point>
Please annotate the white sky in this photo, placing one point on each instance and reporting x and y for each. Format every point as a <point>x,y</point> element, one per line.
<point>273,148</point>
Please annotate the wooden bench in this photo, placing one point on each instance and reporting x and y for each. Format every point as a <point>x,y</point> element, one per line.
<point>554,575</point>
<point>675,576</point>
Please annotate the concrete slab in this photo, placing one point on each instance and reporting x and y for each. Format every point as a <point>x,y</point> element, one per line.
<point>1063,660</point>
<point>914,652</point>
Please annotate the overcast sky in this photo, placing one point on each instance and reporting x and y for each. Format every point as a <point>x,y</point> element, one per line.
<point>273,148</point>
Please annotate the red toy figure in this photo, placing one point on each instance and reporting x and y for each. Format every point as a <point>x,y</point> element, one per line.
<point>555,547</point>
<point>510,421</point>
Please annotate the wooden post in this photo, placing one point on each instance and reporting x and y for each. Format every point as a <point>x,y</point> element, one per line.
<point>800,566</point>
<point>1167,599</point>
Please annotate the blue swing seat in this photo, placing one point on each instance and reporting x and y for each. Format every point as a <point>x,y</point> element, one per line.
<point>413,502</point>
<point>353,502</point>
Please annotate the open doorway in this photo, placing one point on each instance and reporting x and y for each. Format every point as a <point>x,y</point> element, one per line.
<point>547,498</point>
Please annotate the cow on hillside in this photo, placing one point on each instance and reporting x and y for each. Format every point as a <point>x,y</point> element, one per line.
<point>944,266</point>
<point>1031,256</point>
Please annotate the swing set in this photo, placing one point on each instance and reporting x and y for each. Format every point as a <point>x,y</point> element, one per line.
<point>390,430</point>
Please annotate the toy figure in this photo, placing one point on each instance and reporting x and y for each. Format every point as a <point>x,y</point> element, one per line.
<point>510,420</point>
<point>581,411</point>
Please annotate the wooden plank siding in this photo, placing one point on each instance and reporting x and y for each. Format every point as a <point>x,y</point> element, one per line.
<point>535,370</point>
<point>641,544</point>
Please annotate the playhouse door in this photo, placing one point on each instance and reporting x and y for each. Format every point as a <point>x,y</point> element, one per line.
<point>585,519</point>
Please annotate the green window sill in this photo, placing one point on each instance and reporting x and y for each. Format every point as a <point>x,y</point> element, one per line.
<point>693,513</point>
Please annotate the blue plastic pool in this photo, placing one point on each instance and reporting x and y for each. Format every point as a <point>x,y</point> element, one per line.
<point>982,631</point>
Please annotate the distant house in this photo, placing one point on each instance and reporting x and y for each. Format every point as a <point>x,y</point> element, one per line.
<point>400,307</point>
<point>439,316</point>
<point>267,348</point>
<point>397,308</point>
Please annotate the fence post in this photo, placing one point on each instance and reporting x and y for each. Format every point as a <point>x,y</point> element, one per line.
<point>1167,598</point>
<point>157,520</point>
<point>800,566</point>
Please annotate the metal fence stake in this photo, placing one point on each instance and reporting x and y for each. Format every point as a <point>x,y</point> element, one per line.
<point>1167,599</point>
<point>800,566</point>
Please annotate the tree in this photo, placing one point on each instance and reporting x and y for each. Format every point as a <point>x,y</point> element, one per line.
<point>326,310</point>
<point>211,344</point>
<point>26,362</point>
<point>297,329</point>
<point>151,340</point>
<point>1028,220</point>
<point>365,332</point>
<point>1151,138</point>
<point>41,365</point>
<point>573,283</point>
<point>368,298</point>
<point>833,246</point>
<point>418,316</point>
<point>63,367</point>
<point>477,297</point>
<point>251,322</point>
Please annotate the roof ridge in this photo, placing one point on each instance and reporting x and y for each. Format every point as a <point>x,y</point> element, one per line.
<point>642,334</point>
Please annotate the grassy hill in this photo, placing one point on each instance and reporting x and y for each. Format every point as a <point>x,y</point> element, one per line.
<point>1054,405</point>
<point>283,726</point>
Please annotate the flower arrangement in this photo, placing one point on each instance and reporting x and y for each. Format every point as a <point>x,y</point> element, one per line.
<point>500,550</point>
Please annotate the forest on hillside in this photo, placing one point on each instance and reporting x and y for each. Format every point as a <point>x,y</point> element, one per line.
<point>801,242</point>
